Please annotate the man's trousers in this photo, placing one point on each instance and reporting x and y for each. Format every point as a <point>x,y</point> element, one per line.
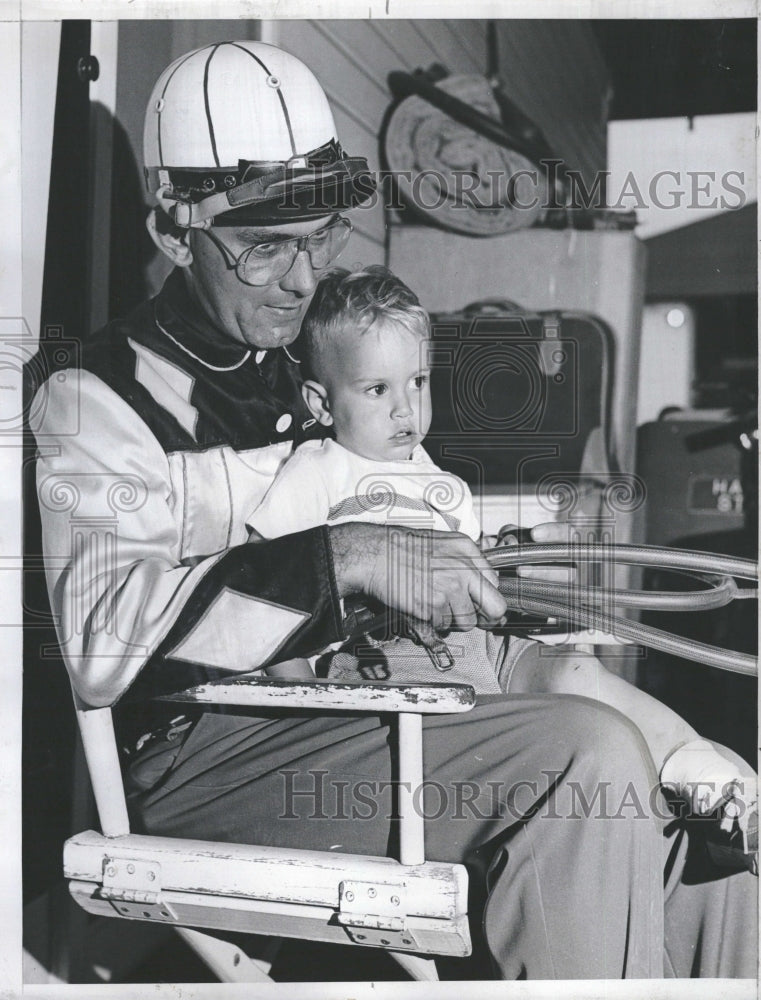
<point>577,867</point>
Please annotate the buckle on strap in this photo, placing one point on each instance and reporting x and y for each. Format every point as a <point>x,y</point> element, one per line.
<point>195,184</point>
<point>262,189</point>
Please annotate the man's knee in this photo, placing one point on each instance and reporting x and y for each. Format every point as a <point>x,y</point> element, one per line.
<point>609,773</point>
<point>603,740</point>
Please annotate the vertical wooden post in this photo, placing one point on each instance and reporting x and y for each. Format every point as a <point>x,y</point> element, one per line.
<point>411,823</point>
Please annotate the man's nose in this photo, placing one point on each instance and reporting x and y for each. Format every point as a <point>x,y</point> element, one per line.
<point>301,278</point>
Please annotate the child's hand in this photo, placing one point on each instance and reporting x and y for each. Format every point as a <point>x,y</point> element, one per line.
<point>551,532</point>
<point>709,782</point>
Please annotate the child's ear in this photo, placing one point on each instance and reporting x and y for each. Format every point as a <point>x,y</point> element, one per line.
<point>316,398</point>
<point>177,248</point>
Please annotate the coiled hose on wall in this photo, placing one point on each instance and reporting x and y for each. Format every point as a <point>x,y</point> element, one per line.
<point>594,607</point>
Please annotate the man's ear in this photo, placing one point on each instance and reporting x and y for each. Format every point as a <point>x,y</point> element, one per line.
<point>316,398</point>
<point>176,248</point>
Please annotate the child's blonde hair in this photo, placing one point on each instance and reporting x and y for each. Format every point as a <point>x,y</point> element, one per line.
<point>354,300</point>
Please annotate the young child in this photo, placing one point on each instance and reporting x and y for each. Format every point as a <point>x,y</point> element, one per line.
<point>363,345</point>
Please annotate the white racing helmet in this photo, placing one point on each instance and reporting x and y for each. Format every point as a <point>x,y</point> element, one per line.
<point>241,132</point>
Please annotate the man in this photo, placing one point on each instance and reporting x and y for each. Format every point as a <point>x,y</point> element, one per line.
<point>186,409</point>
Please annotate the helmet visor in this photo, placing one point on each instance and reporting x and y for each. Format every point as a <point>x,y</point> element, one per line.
<point>317,185</point>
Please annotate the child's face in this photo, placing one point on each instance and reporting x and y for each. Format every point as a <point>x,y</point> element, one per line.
<point>379,392</point>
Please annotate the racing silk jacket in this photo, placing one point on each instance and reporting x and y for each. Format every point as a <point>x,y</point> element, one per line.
<point>150,456</point>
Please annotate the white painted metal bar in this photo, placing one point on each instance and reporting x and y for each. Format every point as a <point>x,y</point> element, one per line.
<point>228,962</point>
<point>97,728</point>
<point>422,970</point>
<point>269,31</point>
<point>428,935</point>
<point>247,691</point>
<point>411,822</point>
<point>287,875</point>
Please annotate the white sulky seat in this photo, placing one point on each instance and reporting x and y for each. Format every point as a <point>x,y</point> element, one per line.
<point>411,907</point>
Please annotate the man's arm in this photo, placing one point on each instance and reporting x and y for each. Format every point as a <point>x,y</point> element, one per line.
<point>438,577</point>
<point>127,604</point>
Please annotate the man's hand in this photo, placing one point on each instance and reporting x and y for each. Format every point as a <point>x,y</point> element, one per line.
<point>548,533</point>
<point>436,577</point>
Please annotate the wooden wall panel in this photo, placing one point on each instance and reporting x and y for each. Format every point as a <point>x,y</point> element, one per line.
<point>555,73</point>
<point>459,45</point>
<point>552,70</point>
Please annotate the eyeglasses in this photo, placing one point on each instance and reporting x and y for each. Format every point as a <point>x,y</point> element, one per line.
<point>264,263</point>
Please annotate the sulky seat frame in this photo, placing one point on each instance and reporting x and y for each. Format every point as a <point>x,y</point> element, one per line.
<point>410,907</point>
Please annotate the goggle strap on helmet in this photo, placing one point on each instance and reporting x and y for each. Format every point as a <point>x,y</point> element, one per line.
<point>265,188</point>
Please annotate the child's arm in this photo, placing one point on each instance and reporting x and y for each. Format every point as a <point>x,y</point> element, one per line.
<point>691,765</point>
<point>296,501</point>
<point>469,523</point>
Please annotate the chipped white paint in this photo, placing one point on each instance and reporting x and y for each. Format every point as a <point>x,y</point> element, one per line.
<point>268,890</point>
<point>271,890</point>
<point>437,699</point>
<point>278,874</point>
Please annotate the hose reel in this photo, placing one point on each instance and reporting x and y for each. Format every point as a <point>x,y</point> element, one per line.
<point>457,167</point>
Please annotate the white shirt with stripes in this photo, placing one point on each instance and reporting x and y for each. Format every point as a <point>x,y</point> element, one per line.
<point>324,483</point>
